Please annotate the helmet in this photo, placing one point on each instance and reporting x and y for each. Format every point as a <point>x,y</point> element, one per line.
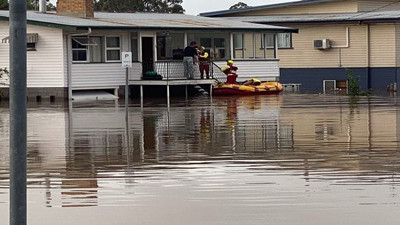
<point>230,61</point>
<point>202,48</point>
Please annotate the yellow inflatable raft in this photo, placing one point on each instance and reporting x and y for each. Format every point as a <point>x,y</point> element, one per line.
<point>265,88</point>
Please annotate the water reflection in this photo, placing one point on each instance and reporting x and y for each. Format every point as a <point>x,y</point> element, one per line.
<point>239,158</point>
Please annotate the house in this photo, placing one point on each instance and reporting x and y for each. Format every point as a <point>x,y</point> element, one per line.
<point>78,49</point>
<point>362,35</point>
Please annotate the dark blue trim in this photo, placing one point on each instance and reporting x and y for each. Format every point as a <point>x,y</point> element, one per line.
<point>311,79</point>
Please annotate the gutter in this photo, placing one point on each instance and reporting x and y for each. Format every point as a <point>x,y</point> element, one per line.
<point>69,59</point>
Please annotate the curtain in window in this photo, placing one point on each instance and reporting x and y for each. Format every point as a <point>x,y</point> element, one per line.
<point>95,51</point>
<point>112,42</point>
<point>284,40</point>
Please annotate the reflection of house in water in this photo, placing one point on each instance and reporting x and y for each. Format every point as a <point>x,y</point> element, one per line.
<point>75,154</point>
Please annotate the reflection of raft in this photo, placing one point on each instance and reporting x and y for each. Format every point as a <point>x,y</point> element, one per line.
<point>265,88</point>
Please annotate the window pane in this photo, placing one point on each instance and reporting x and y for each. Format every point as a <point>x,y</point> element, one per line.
<point>75,44</point>
<point>134,49</point>
<point>238,41</point>
<point>269,38</point>
<point>259,51</point>
<point>284,40</point>
<point>206,42</point>
<point>248,45</point>
<point>112,42</point>
<point>79,55</point>
<point>238,46</point>
<point>96,51</point>
<point>219,42</point>
<point>113,55</point>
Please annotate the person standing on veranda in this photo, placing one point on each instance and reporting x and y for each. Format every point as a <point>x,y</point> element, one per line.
<point>189,53</point>
<point>204,63</point>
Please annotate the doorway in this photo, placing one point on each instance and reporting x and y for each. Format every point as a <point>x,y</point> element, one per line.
<point>147,54</point>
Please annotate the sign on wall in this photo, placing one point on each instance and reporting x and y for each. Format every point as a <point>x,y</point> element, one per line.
<point>126,59</point>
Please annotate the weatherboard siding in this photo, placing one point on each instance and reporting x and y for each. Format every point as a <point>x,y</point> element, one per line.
<point>373,5</point>
<point>102,74</point>
<point>397,40</point>
<point>45,67</point>
<point>382,45</point>
<point>325,7</point>
<point>304,55</point>
<point>262,69</point>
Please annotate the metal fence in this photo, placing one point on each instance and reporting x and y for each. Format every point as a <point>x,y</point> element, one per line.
<point>174,70</point>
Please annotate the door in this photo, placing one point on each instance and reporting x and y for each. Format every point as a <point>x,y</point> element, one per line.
<point>147,54</point>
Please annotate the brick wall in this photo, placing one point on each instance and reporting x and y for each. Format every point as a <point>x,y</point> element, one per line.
<point>77,8</point>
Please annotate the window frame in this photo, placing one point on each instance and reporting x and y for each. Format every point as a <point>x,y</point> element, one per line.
<point>241,42</point>
<point>263,39</point>
<point>79,49</point>
<point>106,48</point>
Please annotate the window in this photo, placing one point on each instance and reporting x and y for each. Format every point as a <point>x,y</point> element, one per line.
<point>79,51</point>
<point>113,49</point>
<point>96,49</point>
<point>238,41</point>
<point>31,46</point>
<point>284,40</point>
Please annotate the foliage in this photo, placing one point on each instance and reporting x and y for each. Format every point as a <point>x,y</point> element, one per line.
<point>30,5</point>
<point>3,4</point>
<point>353,85</point>
<point>3,76</point>
<point>160,6</point>
<point>50,7</point>
<point>239,5</point>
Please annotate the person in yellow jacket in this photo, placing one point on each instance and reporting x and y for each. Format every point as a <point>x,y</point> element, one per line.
<point>252,81</point>
<point>230,71</point>
<point>204,63</point>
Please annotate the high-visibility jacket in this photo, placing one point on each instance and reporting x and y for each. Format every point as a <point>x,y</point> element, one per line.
<point>229,69</point>
<point>256,81</point>
<point>204,58</point>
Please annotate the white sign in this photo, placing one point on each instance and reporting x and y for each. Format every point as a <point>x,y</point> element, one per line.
<point>126,59</point>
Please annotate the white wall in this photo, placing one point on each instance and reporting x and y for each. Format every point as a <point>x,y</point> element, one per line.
<point>45,65</point>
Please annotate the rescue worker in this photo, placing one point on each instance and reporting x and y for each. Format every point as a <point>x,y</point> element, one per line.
<point>252,81</point>
<point>230,71</point>
<point>204,63</point>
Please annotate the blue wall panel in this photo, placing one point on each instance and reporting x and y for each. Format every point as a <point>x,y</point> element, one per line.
<point>311,80</point>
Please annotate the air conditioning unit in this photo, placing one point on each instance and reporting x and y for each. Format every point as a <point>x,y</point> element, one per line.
<point>322,44</point>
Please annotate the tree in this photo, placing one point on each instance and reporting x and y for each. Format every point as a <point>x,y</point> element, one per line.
<point>3,4</point>
<point>30,5</point>
<point>50,7</point>
<point>161,6</point>
<point>239,5</point>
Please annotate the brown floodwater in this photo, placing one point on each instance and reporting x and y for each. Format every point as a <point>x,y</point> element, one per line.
<point>286,159</point>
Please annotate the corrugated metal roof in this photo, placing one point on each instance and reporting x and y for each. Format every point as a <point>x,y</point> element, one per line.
<point>146,21</point>
<point>261,7</point>
<point>314,18</point>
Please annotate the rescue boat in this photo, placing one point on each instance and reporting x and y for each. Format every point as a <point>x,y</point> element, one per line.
<point>265,88</point>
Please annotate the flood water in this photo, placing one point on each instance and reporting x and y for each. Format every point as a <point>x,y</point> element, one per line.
<point>286,159</point>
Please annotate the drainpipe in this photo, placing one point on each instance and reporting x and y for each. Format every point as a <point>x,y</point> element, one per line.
<point>69,59</point>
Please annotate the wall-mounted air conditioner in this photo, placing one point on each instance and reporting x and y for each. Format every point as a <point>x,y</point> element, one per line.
<point>322,44</point>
